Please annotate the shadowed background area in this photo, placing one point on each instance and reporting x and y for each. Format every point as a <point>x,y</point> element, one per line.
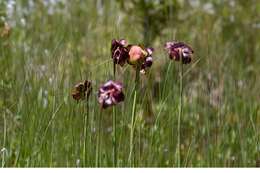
<point>48,46</point>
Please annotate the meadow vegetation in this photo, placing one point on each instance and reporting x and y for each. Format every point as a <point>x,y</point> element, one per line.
<point>46,47</point>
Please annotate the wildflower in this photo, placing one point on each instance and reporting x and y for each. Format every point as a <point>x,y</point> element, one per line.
<point>136,55</point>
<point>142,57</point>
<point>179,51</point>
<point>119,51</point>
<point>110,94</point>
<point>82,90</point>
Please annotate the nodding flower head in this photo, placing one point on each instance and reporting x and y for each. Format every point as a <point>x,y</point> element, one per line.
<point>82,90</point>
<point>111,93</point>
<point>119,51</point>
<point>136,55</point>
<point>140,57</point>
<point>179,51</point>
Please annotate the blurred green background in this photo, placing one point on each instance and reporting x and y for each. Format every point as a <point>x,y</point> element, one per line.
<point>47,46</point>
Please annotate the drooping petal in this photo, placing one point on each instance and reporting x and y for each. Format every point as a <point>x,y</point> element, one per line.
<point>119,51</point>
<point>179,51</point>
<point>110,94</point>
<point>123,42</point>
<point>149,50</point>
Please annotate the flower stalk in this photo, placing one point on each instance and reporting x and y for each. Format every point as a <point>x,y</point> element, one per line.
<point>137,81</point>
<point>114,141</point>
<point>98,140</point>
<point>110,94</point>
<point>179,117</point>
<point>179,51</point>
<point>86,118</point>
<point>80,92</point>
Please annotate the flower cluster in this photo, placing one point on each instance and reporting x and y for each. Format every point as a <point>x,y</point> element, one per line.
<point>179,51</point>
<point>135,55</point>
<point>110,94</point>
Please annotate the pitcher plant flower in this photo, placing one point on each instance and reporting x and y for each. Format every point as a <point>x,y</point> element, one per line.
<point>111,93</point>
<point>136,55</point>
<point>119,51</point>
<point>179,51</point>
<point>140,57</point>
<point>82,90</point>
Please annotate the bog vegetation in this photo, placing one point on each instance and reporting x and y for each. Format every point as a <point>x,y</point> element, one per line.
<point>72,94</point>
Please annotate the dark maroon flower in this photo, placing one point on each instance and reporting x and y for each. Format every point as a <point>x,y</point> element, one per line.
<point>179,51</point>
<point>82,90</point>
<point>119,51</point>
<point>110,94</point>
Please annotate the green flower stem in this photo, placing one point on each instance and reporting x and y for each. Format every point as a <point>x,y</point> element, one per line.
<point>4,143</point>
<point>179,117</point>
<point>114,141</point>
<point>98,139</point>
<point>137,80</point>
<point>114,70</point>
<point>86,117</point>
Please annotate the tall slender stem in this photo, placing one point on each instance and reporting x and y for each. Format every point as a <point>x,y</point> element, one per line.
<point>114,127</point>
<point>137,80</point>
<point>86,116</point>
<point>130,159</point>
<point>179,117</point>
<point>114,139</point>
<point>98,139</point>
<point>4,143</point>
<point>114,70</point>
